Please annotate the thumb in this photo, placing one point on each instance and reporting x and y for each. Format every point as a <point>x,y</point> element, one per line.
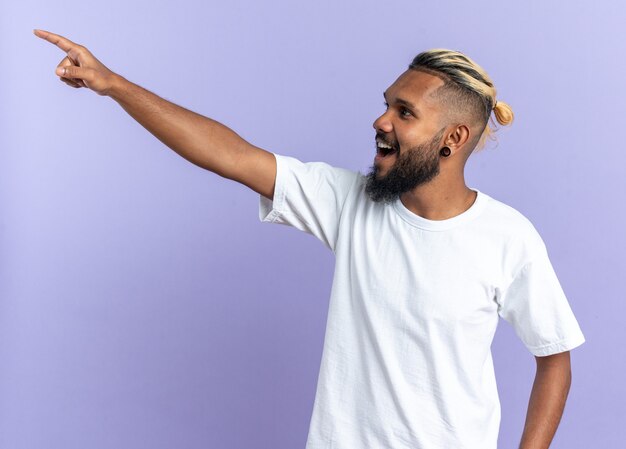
<point>71,72</point>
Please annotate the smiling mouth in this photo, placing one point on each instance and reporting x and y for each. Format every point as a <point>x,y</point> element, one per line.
<point>384,151</point>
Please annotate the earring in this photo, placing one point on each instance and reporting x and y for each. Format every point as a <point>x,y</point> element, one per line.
<point>445,151</point>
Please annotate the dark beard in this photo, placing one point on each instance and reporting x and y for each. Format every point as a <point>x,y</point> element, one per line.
<point>412,168</point>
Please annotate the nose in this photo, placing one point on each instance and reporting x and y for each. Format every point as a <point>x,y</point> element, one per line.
<point>382,124</point>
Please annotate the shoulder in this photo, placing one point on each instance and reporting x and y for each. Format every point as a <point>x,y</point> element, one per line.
<point>512,225</point>
<point>317,168</point>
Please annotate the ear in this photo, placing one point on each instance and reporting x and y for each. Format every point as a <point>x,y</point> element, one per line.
<point>459,135</point>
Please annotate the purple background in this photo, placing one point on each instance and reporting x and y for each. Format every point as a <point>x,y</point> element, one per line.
<point>143,304</point>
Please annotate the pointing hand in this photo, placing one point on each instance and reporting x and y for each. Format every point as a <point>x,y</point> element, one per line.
<point>79,68</point>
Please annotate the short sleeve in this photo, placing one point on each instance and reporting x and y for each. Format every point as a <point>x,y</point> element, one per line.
<point>308,196</point>
<point>536,306</point>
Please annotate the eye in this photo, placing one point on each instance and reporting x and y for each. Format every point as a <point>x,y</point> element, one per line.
<point>402,110</point>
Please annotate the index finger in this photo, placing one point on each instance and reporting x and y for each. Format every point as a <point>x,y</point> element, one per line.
<point>60,41</point>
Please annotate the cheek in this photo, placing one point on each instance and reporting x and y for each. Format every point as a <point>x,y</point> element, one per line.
<point>407,140</point>
<point>411,130</point>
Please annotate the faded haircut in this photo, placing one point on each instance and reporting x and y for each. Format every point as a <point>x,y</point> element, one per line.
<point>468,93</point>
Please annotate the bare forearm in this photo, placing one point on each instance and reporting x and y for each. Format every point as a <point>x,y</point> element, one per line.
<point>545,407</point>
<point>201,140</point>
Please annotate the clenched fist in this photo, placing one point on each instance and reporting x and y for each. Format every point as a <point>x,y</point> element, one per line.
<point>79,68</point>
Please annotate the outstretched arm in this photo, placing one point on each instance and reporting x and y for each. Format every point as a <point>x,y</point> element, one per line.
<point>201,140</point>
<point>547,400</point>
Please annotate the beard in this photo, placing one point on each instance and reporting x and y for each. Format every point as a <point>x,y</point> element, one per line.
<point>411,168</point>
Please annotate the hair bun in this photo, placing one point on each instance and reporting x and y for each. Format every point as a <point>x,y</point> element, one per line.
<point>504,113</point>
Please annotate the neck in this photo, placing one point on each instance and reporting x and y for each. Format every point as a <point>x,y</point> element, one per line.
<point>438,200</point>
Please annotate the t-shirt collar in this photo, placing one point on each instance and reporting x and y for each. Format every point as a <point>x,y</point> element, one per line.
<point>441,225</point>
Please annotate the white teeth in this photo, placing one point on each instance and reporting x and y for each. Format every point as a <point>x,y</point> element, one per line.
<point>383,145</point>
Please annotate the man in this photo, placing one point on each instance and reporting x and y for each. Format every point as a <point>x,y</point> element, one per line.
<point>424,264</point>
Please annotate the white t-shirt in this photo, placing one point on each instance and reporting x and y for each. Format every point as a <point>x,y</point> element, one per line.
<point>413,310</point>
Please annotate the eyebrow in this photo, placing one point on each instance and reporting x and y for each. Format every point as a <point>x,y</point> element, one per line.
<point>404,102</point>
